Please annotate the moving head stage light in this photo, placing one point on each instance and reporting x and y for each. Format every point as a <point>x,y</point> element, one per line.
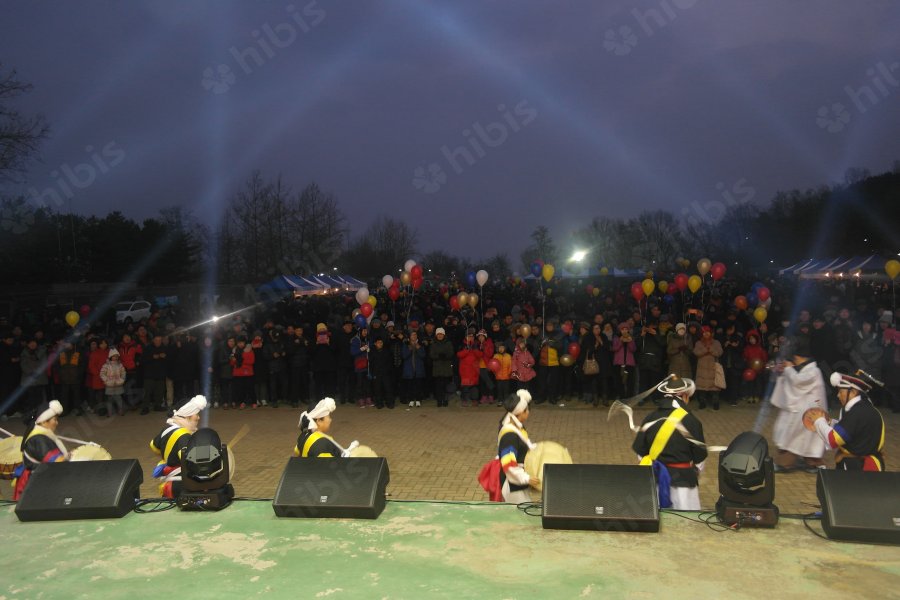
<point>205,473</point>
<point>747,483</point>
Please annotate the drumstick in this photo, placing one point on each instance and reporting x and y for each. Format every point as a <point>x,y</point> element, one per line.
<point>239,436</point>
<point>6,433</point>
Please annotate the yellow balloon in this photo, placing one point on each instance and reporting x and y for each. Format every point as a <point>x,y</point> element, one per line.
<point>649,274</point>
<point>596,292</point>
<point>566,360</point>
<point>525,331</point>
<point>663,286</point>
<point>548,291</point>
<point>373,301</point>
<point>604,271</point>
<point>463,299</point>
<point>648,286</point>
<point>473,300</point>
<point>694,283</point>
<point>703,266</point>
<point>760,314</point>
<point>72,318</point>
<point>547,272</point>
<point>892,268</point>
<point>405,278</point>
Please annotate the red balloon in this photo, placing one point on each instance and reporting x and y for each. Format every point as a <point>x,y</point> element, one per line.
<point>681,282</point>
<point>763,294</point>
<point>749,375</point>
<point>396,284</point>
<point>366,310</point>
<point>574,350</point>
<point>589,289</point>
<point>494,365</point>
<point>85,310</point>
<point>454,303</point>
<point>416,283</point>
<point>718,271</point>
<point>740,302</point>
<point>637,291</point>
<point>393,293</point>
<point>416,272</point>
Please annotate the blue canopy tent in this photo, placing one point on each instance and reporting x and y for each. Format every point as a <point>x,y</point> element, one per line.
<point>864,267</point>
<point>289,284</point>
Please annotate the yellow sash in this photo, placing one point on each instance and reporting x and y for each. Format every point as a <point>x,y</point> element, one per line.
<point>662,436</point>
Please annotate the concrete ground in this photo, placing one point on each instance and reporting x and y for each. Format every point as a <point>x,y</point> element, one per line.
<point>436,453</point>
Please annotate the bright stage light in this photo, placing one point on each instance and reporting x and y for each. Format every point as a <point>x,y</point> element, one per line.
<point>215,319</point>
<point>578,255</point>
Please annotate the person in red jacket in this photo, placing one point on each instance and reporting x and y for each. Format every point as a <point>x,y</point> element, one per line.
<point>486,346</point>
<point>755,357</point>
<point>96,388</point>
<point>242,359</point>
<point>469,358</point>
<point>130,353</point>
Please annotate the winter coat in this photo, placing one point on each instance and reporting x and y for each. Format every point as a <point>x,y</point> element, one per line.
<point>113,375</point>
<point>468,366</point>
<point>381,363</point>
<point>297,349</point>
<point>623,354</point>
<point>130,354</point>
<point>732,355</point>
<point>69,368</point>
<point>651,355</point>
<point>242,365</point>
<point>441,353</point>
<point>153,360</point>
<point>34,366</point>
<point>96,359</point>
<point>487,351</point>
<point>753,351</point>
<point>359,348</point>
<point>183,361</point>
<point>706,364</point>
<point>505,370</point>
<point>413,362</point>
<point>223,357</point>
<point>342,346</point>
<point>324,357</point>
<point>679,349</point>
<point>522,365</point>
<point>867,354</point>
<point>274,353</point>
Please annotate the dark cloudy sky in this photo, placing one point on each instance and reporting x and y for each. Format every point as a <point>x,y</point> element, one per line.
<point>514,113</point>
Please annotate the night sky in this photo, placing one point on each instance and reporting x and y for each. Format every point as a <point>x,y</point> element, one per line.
<point>473,121</point>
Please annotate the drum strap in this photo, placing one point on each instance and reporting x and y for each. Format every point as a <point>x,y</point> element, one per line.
<point>173,439</point>
<point>313,437</point>
<point>39,430</point>
<point>663,435</point>
<point>523,435</point>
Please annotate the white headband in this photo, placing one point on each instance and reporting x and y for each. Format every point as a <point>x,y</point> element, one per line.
<point>522,405</point>
<point>325,407</point>
<point>55,409</point>
<point>191,407</point>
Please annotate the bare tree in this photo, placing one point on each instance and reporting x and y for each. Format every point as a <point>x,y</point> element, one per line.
<point>20,135</point>
<point>542,247</point>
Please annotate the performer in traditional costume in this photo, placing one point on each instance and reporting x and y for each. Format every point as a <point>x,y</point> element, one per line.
<point>670,440</point>
<point>858,433</point>
<point>39,444</point>
<point>171,442</point>
<point>513,444</point>
<point>314,441</point>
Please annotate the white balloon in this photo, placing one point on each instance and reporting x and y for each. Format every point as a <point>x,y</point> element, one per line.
<point>481,277</point>
<point>362,295</point>
<point>409,265</point>
<point>387,281</point>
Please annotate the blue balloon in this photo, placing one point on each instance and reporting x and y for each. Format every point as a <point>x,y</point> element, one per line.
<point>668,299</point>
<point>752,299</point>
<point>360,321</point>
<point>470,278</point>
<point>756,286</point>
<point>536,269</point>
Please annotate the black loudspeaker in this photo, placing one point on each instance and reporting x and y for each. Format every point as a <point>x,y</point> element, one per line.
<point>860,506</point>
<point>348,488</point>
<point>99,489</point>
<point>600,497</point>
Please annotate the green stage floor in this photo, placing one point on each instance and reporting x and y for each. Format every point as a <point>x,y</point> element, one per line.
<point>426,550</point>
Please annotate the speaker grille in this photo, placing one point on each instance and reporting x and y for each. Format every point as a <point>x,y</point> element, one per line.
<point>100,489</point>
<point>338,487</point>
<point>600,497</point>
<point>860,506</point>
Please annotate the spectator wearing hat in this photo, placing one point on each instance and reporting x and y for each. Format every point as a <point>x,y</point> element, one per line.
<point>707,350</point>
<point>441,353</point>
<point>113,376</point>
<point>858,432</point>
<point>469,357</point>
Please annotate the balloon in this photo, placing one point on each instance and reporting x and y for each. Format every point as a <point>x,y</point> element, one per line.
<point>763,294</point>
<point>387,281</point>
<point>648,286</point>
<point>454,303</point>
<point>366,309</point>
<point>416,272</point>
<point>394,293</point>
<point>637,291</point>
<point>566,328</point>
<point>525,331</point>
<point>663,286</point>
<point>362,294</point>
<point>604,271</point>
<point>360,321</point>
<point>718,271</point>
<point>752,299</point>
<point>589,289</point>
<point>548,291</point>
<point>417,283</point>
<point>681,282</point>
<point>574,350</point>
<point>892,268</point>
<point>760,314</point>
<point>396,284</point>
<point>668,298</point>
<point>473,300</point>
<point>481,277</point>
<point>694,283</point>
<point>757,364</point>
<point>596,292</point>
<point>355,312</point>
<point>72,318</point>
<point>757,285</point>
<point>703,266</point>
<point>536,269</point>
<point>405,278</point>
<point>408,265</point>
<point>547,272</point>
<point>648,275</point>
<point>85,310</point>
<point>749,375</point>
<point>494,365</point>
<point>463,299</point>
<point>740,302</point>
<point>373,301</point>
<point>566,360</point>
